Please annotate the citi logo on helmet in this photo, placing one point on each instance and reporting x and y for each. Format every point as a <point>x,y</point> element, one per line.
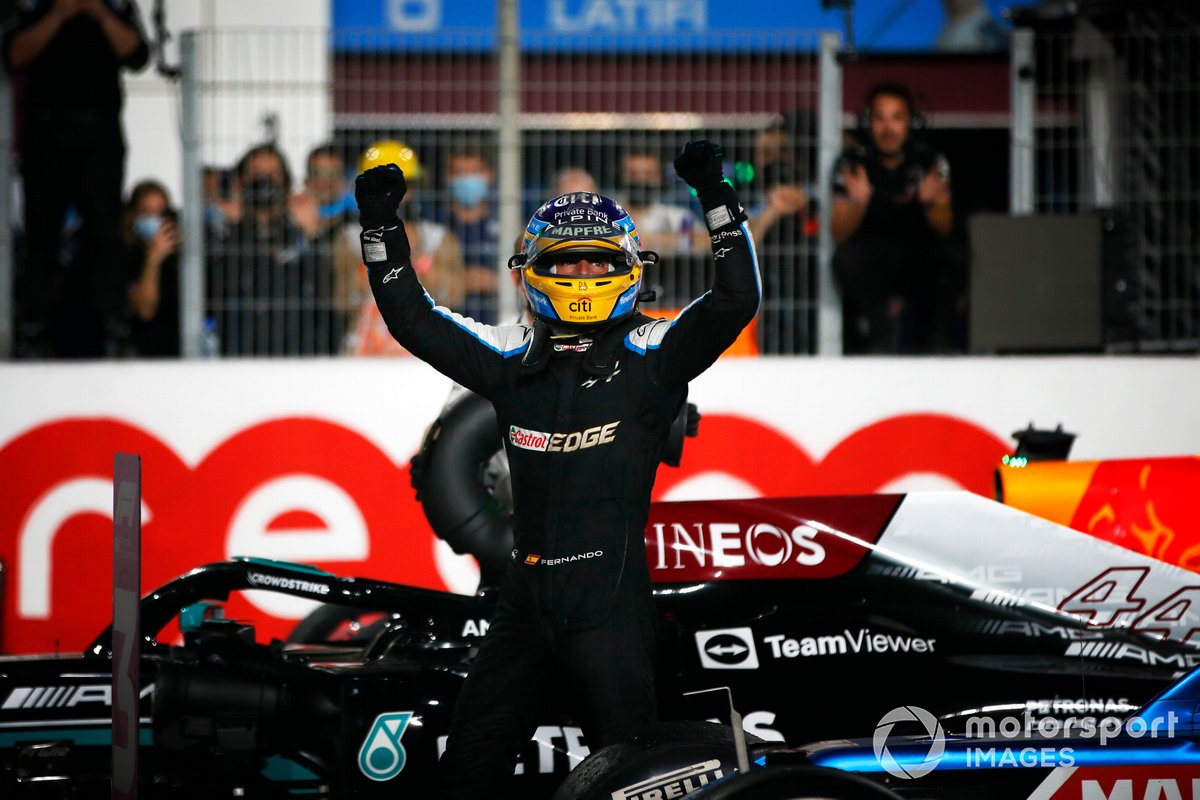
<point>583,305</point>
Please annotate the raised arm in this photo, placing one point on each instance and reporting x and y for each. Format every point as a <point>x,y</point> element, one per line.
<point>28,41</point>
<point>467,352</point>
<point>123,32</point>
<point>706,328</point>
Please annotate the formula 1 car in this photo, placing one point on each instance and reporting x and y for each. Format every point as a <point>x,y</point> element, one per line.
<point>818,614</point>
<point>1152,753</point>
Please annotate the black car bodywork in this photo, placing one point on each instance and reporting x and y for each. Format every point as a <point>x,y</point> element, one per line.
<point>820,614</point>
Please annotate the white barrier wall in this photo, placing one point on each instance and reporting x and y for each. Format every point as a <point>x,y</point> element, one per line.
<point>308,460</point>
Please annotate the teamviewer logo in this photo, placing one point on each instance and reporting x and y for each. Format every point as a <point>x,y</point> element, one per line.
<point>909,768</point>
<point>727,648</point>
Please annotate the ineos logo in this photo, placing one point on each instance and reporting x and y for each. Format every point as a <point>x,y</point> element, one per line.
<point>724,544</point>
<point>771,546</point>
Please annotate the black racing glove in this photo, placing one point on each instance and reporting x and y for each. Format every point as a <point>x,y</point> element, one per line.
<point>378,192</point>
<point>699,164</point>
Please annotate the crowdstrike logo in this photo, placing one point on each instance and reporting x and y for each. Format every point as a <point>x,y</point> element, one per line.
<point>933,730</point>
<point>286,584</point>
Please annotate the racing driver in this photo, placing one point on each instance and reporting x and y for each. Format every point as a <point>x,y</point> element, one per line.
<point>585,396</point>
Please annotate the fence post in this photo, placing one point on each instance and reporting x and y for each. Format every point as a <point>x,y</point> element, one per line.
<point>7,324</point>
<point>509,139</point>
<point>829,144</point>
<point>191,284</point>
<point>1022,77</point>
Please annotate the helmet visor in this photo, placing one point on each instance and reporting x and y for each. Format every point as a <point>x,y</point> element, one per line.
<point>591,250</point>
<point>582,263</point>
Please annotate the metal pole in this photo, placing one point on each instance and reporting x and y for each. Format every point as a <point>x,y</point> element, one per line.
<point>7,323</point>
<point>191,284</point>
<point>829,144</point>
<point>509,161</point>
<point>1098,167</point>
<point>1023,155</point>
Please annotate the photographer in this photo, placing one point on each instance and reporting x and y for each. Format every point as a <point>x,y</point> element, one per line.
<point>892,220</point>
<point>150,242</point>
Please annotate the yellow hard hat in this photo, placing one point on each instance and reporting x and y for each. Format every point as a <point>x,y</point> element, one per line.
<point>390,151</point>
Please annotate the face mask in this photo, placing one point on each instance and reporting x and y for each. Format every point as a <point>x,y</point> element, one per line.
<point>146,225</point>
<point>263,193</point>
<point>469,190</point>
<point>641,194</point>
<point>214,217</point>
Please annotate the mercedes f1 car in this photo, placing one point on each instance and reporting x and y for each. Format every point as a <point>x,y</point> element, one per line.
<point>818,614</point>
<point>1151,753</point>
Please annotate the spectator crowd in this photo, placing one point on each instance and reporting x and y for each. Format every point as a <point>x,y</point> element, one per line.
<point>100,275</point>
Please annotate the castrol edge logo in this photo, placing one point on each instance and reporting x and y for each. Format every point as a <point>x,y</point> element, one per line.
<point>562,442</point>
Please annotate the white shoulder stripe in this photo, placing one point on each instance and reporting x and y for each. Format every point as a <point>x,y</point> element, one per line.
<point>648,336</point>
<point>507,340</point>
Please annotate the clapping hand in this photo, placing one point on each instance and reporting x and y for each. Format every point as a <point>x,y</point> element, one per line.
<point>934,187</point>
<point>858,185</point>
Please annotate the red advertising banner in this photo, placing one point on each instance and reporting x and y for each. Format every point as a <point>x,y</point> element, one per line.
<point>308,461</point>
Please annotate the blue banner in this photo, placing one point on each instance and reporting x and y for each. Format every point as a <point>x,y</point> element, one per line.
<point>677,25</point>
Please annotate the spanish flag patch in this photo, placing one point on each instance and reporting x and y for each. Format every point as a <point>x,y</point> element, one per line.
<point>532,559</point>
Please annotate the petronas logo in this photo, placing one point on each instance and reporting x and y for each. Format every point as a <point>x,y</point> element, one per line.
<point>381,756</point>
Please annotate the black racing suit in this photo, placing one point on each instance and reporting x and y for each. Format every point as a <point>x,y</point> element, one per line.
<point>575,608</point>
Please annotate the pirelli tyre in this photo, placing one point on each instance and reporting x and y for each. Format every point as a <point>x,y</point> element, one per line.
<point>795,783</point>
<point>671,759</point>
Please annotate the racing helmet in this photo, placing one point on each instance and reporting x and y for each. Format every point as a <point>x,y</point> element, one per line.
<point>390,151</point>
<point>576,227</point>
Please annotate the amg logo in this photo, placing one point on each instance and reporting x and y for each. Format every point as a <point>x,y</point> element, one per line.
<point>1131,652</point>
<point>280,582</point>
<point>1021,595</point>
<point>1035,630</point>
<point>61,696</point>
<point>473,627</point>
<point>672,784</point>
